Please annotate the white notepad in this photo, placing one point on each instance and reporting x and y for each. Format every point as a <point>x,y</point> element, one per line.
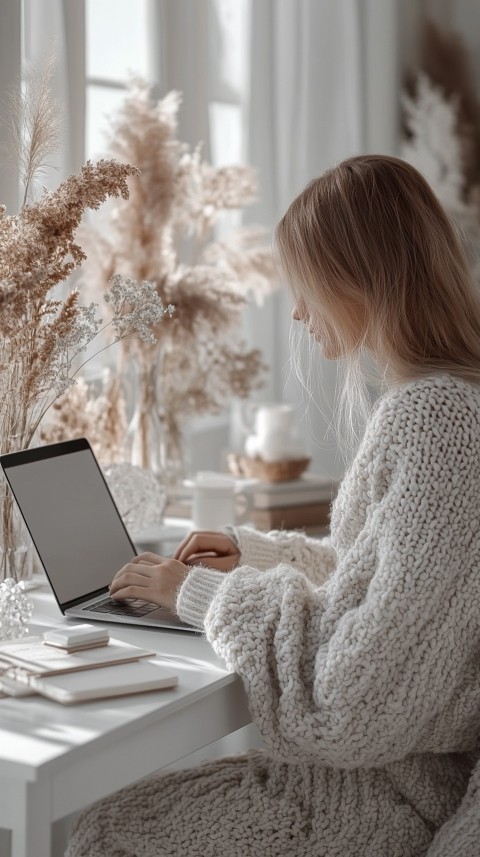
<point>104,682</point>
<point>34,656</point>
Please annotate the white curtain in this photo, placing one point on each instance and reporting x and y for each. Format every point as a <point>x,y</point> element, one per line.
<point>180,47</point>
<point>35,29</point>
<point>324,85</point>
<point>10,71</point>
<point>58,26</point>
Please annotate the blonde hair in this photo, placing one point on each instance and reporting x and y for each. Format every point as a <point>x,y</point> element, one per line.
<point>370,253</point>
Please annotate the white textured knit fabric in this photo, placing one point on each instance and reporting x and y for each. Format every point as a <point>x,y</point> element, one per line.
<point>360,657</point>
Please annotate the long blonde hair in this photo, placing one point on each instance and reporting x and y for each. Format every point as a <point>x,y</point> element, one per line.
<point>369,251</point>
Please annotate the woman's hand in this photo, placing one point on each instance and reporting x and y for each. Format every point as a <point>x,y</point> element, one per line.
<point>151,578</point>
<point>209,548</point>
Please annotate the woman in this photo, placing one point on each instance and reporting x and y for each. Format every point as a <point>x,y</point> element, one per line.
<point>359,652</point>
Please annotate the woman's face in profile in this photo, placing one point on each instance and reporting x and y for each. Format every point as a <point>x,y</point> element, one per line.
<point>323,334</point>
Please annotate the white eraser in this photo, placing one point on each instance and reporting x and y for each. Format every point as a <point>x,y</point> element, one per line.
<point>76,635</point>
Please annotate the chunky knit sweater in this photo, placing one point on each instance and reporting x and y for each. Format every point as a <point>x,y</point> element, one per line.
<point>360,657</point>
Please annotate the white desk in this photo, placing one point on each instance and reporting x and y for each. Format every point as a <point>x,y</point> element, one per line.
<point>56,759</point>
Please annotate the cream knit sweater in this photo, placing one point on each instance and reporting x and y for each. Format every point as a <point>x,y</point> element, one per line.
<point>360,657</point>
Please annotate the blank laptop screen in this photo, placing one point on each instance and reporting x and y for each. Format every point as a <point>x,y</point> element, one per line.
<point>73,521</point>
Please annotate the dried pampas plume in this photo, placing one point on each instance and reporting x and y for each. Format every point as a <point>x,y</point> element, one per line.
<point>446,62</point>
<point>442,132</point>
<point>34,124</point>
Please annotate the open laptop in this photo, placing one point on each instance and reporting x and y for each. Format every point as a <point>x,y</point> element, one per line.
<point>78,532</point>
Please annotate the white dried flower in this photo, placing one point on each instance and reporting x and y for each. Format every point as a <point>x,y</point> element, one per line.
<point>136,308</point>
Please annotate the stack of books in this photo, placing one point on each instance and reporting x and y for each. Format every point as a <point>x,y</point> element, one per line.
<point>69,672</point>
<point>303,503</point>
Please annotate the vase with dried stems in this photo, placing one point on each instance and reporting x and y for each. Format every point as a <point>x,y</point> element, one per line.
<point>16,555</point>
<point>154,438</point>
<point>165,233</point>
<point>42,334</point>
<point>172,449</point>
<point>144,434</point>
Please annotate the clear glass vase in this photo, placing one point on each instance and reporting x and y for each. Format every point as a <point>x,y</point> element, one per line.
<point>155,440</point>
<point>145,441</point>
<point>16,549</point>
<point>172,451</point>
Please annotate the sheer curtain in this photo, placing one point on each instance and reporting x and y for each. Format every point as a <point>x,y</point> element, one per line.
<point>10,70</point>
<point>324,85</point>
<point>59,26</point>
<point>29,31</point>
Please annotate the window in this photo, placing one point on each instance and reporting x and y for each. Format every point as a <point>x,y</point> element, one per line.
<point>117,46</point>
<point>123,38</point>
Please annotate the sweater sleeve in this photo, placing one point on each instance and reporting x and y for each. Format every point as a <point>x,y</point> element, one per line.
<point>315,557</point>
<point>353,673</point>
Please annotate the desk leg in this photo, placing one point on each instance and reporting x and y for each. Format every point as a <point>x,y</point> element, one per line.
<point>31,820</point>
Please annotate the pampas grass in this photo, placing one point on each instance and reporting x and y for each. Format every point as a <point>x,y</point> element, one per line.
<point>34,124</point>
<point>442,132</point>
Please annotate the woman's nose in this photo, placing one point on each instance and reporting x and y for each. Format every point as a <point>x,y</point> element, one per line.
<point>296,314</point>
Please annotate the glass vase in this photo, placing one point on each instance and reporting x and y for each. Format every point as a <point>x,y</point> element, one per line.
<point>172,451</point>
<point>145,441</point>
<point>155,439</point>
<point>16,549</point>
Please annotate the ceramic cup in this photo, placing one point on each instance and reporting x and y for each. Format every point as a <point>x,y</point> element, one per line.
<point>217,503</point>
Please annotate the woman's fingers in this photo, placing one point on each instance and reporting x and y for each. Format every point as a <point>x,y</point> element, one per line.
<point>143,563</point>
<point>207,543</point>
<point>157,583</point>
<point>130,592</point>
<point>188,538</point>
<point>147,557</point>
<point>129,578</point>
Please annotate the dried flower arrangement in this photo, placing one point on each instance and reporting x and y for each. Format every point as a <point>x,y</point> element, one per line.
<point>199,361</point>
<point>442,131</point>
<point>43,335</point>
<point>94,411</point>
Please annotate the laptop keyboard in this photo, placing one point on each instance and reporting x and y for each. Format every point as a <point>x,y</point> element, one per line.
<point>129,607</point>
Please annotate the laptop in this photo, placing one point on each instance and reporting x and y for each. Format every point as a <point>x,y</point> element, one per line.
<point>78,532</point>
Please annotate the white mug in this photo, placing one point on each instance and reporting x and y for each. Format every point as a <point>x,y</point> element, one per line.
<point>217,502</point>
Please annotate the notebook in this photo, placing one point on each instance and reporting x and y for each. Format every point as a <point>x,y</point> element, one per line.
<point>31,655</point>
<point>137,677</point>
<point>78,532</point>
